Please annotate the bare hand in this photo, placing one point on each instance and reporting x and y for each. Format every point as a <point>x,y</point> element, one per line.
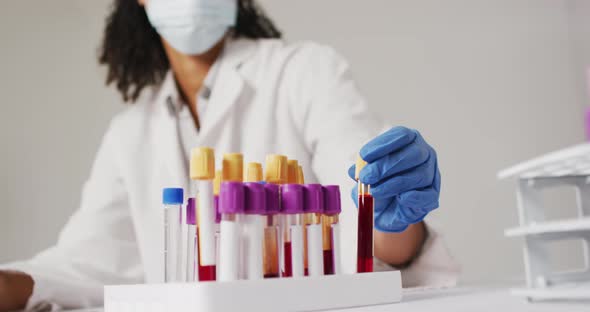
<point>15,290</point>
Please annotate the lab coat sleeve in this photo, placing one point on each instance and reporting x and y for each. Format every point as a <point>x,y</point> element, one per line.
<point>335,122</point>
<point>96,247</point>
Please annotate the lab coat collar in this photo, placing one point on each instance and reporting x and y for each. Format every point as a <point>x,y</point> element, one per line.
<point>235,54</point>
<point>229,87</point>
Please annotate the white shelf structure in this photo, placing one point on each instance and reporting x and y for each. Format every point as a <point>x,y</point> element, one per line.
<point>571,167</point>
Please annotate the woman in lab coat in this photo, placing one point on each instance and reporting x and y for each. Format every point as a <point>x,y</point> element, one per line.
<point>215,73</point>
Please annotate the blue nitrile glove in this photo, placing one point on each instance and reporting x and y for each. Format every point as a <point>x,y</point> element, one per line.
<point>403,173</point>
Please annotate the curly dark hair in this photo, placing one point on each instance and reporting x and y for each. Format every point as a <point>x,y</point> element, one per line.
<point>133,52</point>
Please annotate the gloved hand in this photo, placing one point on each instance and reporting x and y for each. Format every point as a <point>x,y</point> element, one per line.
<point>403,173</point>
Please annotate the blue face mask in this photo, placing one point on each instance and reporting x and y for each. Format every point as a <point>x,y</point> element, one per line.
<point>192,26</point>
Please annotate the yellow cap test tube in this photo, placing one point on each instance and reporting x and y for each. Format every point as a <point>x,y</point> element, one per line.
<point>276,169</point>
<point>233,167</point>
<point>292,171</point>
<point>254,172</point>
<point>202,164</point>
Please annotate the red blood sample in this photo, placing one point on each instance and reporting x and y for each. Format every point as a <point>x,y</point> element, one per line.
<point>328,262</point>
<point>365,234</point>
<point>206,272</point>
<point>288,263</point>
<point>271,275</point>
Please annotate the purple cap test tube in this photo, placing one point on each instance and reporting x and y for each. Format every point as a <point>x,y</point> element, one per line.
<point>332,202</point>
<point>255,198</point>
<point>190,212</point>
<point>314,198</point>
<point>272,199</point>
<point>231,198</point>
<point>291,198</point>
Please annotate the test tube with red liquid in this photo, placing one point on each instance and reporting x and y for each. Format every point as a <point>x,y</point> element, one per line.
<point>192,273</point>
<point>292,225</point>
<point>365,222</point>
<point>275,174</point>
<point>202,172</point>
<point>331,229</point>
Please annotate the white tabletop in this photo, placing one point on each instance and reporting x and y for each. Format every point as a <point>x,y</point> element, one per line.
<point>469,299</point>
<point>481,299</point>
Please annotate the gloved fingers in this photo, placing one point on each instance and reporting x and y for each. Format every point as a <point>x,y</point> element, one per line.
<point>416,178</point>
<point>388,142</point>
<point>396,218</point>
<point>416,203</point>
<point>407,158</point>
<point>437,178</point>
<point>351,172</point>
<point>386,220</point>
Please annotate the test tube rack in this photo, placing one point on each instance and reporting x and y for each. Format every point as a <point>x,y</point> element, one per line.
<point>286,294</point>
<point>567,167</point>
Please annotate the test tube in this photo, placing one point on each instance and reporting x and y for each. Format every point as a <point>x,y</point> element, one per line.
<point>307,217</point>
<point>191,270</point>
<point>231,207</point>
<point>272,243</point>
<point>172,200</point>
<point>202,172</point>
<point>216,187</point>
<point>292,215</point>
<point>331,229</point>
<point>232,167</point>
<point>232,170</point>
<point>276,169</point>
<point>276,172</point>
<point>314,207</point>
<point>365,222</point>
<point>255,219</point>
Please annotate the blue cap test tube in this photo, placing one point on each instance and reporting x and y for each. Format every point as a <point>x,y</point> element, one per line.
<point>172,198</point>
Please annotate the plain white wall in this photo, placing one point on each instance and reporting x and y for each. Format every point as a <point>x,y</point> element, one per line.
<point>53,112</point>
<point>580,32</point>
<point>488,82</point>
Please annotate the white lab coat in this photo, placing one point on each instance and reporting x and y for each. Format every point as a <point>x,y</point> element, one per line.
<point>299,100</point>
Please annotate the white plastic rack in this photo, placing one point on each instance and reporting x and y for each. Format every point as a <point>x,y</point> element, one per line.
<point>287,294</point>
<point>571,167</point>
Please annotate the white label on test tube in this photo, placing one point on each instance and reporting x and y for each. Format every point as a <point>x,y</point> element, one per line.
<point>315,253</point>
<point>336,248</point>
<point>191,259</point>
<point>229,251</point>
<point>206,218</point>
<point>172,238</point>
<point>253,247</point>
<point>297,250</point>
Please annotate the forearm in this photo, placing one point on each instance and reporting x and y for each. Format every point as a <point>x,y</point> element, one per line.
<point>398,249</point>
<point>15,290</point>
